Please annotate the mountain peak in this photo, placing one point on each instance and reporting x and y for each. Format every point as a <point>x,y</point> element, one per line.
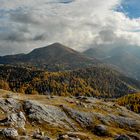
<point>52,50</point>
<point>52,56</point>
<point>61,47</point>
<point>57,44</point>
<point>53,47</point>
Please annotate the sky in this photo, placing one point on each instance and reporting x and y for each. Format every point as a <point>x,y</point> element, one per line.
<point>79,24</point>
<point>131,8</point>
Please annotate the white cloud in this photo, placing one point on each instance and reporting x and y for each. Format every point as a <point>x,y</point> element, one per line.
<point>27,24</point>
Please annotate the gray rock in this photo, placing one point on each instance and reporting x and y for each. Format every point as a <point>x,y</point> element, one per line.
<point>68,137</point>
<point>40,135</point>
<point>37,136</point>
<point>46,138</point>
<point>9,105</point>
<point>10,133</point>
<point>46,113</point>
<point>85,119</point>
<point>119,121</point>
<point>15,120</point>
<point>123,137</point>
<point>74,136</point>
<point>101,130</point>
<point>125,122</point>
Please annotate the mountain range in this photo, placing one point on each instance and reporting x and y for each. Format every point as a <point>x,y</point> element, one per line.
<point>57,69</point>
<point>126,59</point>
<point>54,57</point>
<point>58,57</point>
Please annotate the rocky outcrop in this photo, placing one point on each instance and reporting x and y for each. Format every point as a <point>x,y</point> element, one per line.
<point>88,119</point>
<point>125,122</point>
<point>16,120</point>
<point>10,105</point>
<point>123,137</point>
<point>10,133</point>
<point>46,113</point>
<point>65,118</point>
<point>85,119</point>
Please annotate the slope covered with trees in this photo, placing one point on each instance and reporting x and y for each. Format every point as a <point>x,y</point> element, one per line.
<point>131,101</point>
<point>95,81</point>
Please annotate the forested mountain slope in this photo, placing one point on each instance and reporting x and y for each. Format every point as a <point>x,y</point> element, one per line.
<point>94,81</point>
<point>131,102</point>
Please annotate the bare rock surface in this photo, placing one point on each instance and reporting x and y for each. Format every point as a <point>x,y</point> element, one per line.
<point>16,120</point>
<point>83,118</point>
<point>126,122</point>
<point>9,105</point>
<point>73,136</point>
<point>66,118</point>
<point>123,137</point>
<point>10,133</point>
<point>88,119</point>
<point>46,113</point>
<point>40,135</point>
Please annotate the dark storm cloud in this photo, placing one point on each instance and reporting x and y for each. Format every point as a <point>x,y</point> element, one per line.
<point>107,35</point>
<point>39,37</point>
<point>23,16</point>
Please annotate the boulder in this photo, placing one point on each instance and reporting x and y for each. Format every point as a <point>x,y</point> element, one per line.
<point>15,120</point>
<point>101,130</point>
<point>10,133</point>
<point>10,105</point>
<point>123,137</point>
<point>74,136</point>
<point>67,137</point>
<point>40,135</point>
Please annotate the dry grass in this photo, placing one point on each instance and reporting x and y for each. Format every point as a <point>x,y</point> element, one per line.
<point>98,107</point>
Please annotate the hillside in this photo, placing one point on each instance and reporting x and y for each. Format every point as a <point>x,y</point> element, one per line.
<point>54,57</point>
<point>64,118</point>
<point>131,102</point>
<point>127,59</point>
<point>94,81</point>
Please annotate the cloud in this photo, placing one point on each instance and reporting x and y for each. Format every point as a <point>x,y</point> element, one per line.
<point>25,25</point>
<point>61,1</point>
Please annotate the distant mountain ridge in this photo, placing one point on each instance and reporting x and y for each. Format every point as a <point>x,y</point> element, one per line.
<point>53,57</point>
<point>127,59</point>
